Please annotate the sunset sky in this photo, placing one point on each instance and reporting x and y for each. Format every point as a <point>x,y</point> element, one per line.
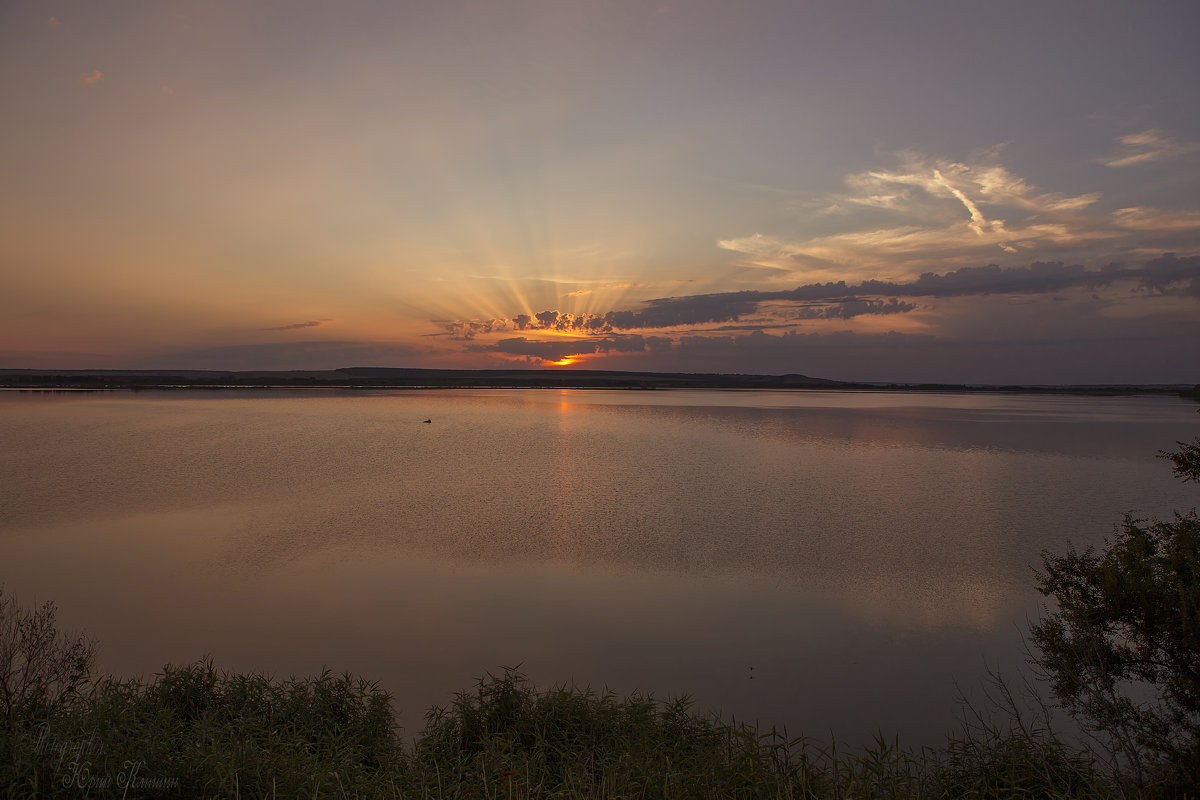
<point>928,191</point>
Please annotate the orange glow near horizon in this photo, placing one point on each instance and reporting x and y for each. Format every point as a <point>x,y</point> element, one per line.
<point>475,186</point>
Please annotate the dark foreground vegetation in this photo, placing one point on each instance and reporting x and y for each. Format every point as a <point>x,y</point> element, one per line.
<point>1120,651</point>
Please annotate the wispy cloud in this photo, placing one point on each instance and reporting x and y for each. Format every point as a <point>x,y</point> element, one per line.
<point>604,287</point>
<point>1154,219</point>
<point>88,78</point>
<point>558,349</point>
<point>295,326</point>
<point>1148,146</point>
<point>927,212</point>
<point>978,223</point>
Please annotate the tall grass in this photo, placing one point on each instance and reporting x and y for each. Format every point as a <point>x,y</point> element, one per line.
<point>194,731</point>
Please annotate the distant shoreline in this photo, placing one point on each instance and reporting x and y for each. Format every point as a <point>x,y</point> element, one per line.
<point>373,378</point>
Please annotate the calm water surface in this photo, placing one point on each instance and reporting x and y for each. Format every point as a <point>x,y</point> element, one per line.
<point>828,561</point>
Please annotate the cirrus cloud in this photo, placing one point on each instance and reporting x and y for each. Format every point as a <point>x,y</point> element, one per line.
<point>316,323</point>
<point>1148,146</point>
<point>927,213</point>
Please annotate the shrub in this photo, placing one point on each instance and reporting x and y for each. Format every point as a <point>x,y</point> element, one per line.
<point>42,669</point>
<point>1122,649</point>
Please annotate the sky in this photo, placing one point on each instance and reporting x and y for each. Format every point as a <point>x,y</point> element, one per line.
<point>877,191</point>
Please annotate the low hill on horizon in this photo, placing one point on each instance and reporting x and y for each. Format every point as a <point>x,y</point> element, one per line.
<point>403,377</point>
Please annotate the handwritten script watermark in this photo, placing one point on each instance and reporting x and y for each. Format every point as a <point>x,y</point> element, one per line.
<point>47,743</point>
<point>75,757</point>
<point>80,776</point>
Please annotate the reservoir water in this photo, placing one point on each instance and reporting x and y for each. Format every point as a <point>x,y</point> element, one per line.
<point>832,562</point>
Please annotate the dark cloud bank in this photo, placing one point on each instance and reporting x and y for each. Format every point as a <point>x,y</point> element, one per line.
<point>1167,275</point>
<point>1094,349</point>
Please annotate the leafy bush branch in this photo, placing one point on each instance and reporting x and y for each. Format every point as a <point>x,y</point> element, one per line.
<point>1122,650</point>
